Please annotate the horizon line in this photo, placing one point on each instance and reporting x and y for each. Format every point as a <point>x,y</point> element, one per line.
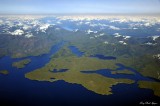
<point>157,14</point>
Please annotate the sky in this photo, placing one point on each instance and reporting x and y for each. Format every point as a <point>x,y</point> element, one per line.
<point>79,6</point>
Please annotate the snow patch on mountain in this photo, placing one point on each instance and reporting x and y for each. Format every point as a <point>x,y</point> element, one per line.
<point>57,29</point>
<point>29,35</point>
<point>1,22</point>
<point>44,26</point>
<point>106,42</point>
<point>18,32</point>
<point>150,44</point>
<point>89,31</point>
<point>127,37</point>
<point>157,56</point>
<point>26,27</point>
<point>117,35</point>
<point>114,28</point>
<point>102,34</point>
<point>155,37</point>
<point>122,42</point>
<point>76,30</point>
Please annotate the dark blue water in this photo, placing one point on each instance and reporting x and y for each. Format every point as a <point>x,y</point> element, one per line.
<point>16,90</point>
<point>36,61</point>
<point>104,57</point>
<point>107,73</point>
<point>76,51</point>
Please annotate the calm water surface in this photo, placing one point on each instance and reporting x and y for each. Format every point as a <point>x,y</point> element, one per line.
<point>16,90</point>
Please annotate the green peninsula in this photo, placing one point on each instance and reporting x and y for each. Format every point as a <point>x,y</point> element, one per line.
<point>21,64</point>
<point>94,82</point>
<point>155,86</point>
<point>5,72</point>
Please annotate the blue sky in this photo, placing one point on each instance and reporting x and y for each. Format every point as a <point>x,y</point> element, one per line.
<point>78,6</point>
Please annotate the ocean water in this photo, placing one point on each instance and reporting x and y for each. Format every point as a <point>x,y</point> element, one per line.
<point>16,90</point>
<point>107,73</point>
<point>76,51</point>
<point>104,57</point>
